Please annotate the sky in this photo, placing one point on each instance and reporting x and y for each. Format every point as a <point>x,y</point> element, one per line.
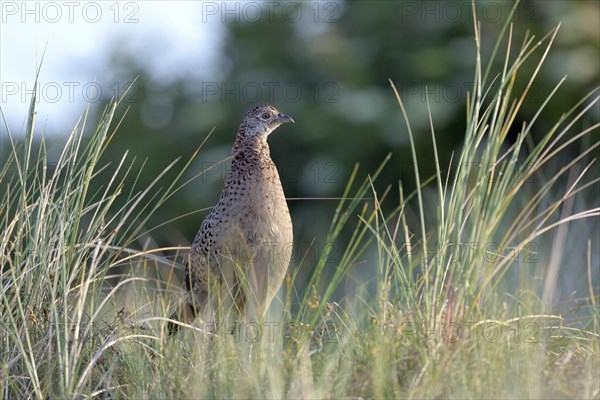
<point>75,38</point>
<point>173,39</point>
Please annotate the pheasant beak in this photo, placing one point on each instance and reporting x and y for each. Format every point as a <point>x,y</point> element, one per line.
<point>282,119</point>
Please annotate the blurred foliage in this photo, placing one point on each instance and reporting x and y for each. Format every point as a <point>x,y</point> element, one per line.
<point>327,64</point>
<point>329,67</point>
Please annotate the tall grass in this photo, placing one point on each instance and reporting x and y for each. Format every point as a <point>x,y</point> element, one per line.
<point>462,304</point>
<point>61,237</point>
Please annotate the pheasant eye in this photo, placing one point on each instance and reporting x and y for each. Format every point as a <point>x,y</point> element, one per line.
<point>265,116</point>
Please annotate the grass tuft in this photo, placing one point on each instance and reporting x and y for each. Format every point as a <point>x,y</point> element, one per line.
<point>467,303</point>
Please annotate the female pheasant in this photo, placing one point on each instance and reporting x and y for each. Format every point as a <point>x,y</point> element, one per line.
<point>242,250</point>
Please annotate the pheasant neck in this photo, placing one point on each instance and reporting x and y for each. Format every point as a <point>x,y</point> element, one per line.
<point>252,151</point>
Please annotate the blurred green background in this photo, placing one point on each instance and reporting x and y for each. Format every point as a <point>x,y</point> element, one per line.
<point>329,69</point>
<point>327,63</point>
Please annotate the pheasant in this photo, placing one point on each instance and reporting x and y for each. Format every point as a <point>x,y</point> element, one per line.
<point>242,250</point>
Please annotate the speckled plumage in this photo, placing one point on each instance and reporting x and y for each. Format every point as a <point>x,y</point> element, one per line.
<point>242,250</point>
